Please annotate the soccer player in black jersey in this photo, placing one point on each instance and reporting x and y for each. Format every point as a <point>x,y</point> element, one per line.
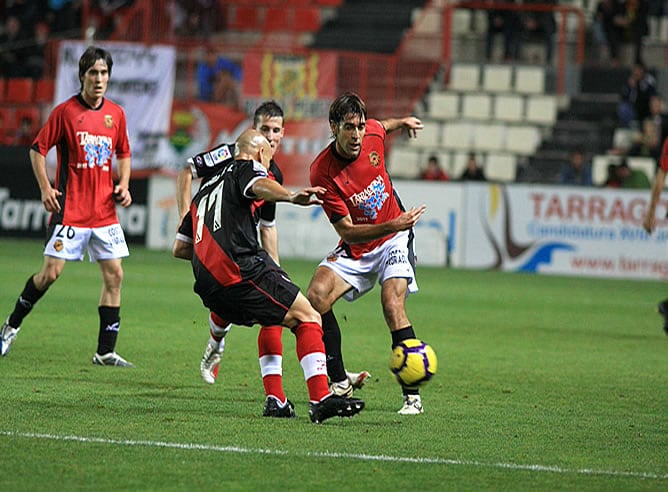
<point>238,280</point>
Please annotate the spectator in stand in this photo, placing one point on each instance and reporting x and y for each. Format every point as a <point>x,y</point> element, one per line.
<point>622,176</point>
<point>109,15</point>
<point>577,171</point>
<point>25,134</point>
<point>473,172</point>
<point>635,96</point>
<point>64,18</point>
<point>607,29</point>
<point>34,52</point>
<point>13,41</point>
<point>433,171</point>
<point>506,23</point>
<point>654,131</point>
<point>207,71</point>
<point>635,22</point>
<point>541,26</point>
<point>226,89</point>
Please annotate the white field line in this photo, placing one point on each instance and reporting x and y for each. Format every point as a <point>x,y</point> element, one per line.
<point>354,456</point>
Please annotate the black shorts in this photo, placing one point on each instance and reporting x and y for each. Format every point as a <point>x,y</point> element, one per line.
<point>264,300</point>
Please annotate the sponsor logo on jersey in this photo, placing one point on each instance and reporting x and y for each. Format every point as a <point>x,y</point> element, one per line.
<point>207,160</point>
<point>374,159</point>
<point>221,154</point>
<point>58,245</point>
<point>108,121</point>
<point>371,200</point>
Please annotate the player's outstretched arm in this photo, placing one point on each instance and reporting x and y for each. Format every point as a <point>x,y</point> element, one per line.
<point>649,222</point>
<point>269,190</point>
<point>184,190</point>
<point>409,123</point>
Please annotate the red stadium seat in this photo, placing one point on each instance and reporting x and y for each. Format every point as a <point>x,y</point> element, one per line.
<point>44,90</point>
<point>277,19</point>
<point>306,20</point>
<point>19,90</point>
<point>3,88</point>
<point>7,125</point>
<point>245,18</point>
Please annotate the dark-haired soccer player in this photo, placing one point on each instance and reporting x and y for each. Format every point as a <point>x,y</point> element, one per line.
<point>376,233</point>
<point>238,280</point>
<point>86,130</point>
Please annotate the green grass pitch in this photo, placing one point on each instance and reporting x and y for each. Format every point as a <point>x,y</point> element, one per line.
<point>544,383</point>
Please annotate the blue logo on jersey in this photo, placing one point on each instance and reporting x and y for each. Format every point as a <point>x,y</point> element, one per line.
<point>371,200</point>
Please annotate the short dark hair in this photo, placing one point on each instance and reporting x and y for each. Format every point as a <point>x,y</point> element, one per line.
<point>268,109</point>
<point>347,103</point>
<point>88,59</point>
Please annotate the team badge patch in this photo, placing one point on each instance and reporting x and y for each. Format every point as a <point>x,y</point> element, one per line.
<point>374,158</point>
<point>332,258</point>
<point>108,121</point>
<point>58,245</point>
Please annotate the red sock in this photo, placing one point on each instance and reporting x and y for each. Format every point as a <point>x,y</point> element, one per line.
<point>311,355</point>
<point>270,351</point>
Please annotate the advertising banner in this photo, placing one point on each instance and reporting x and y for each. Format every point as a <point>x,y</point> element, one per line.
<point>142,82</point>
<point>304,85</point>
<point>573,231</point>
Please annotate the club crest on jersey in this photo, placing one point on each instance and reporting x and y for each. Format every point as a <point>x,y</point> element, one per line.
<point>108,121</point>
<point>332,257</point>
<point>374,159</point>
<point>58,245</point>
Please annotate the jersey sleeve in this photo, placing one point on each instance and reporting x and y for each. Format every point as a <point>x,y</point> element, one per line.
<point>663,162</point>
<point>206,164</point>
<point>248,172</point>
<point>123,140</point>
<point>50,133</point>
<point>333,205</point>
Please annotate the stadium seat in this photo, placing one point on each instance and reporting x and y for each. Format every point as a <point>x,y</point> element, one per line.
<point>442,105</point>
<point>3,88</point>
<point>44,90</point>
<point>458,164</point>
<point>32,113</point>
<point>522,139</point>
<point>19,90</point>
<point>497,78</point>
<point>306,19</point>
<point>457,135</point>
<point>645,164</point>
<point>599,168</point>
<point>277,19</point>
<point>476,106</point>
<point>501,167</point>
<point>404,161</point>
<point>464,77</point>
<point>509,107</point>
<point>541,109</point>
<point>489,137</point>
<point>7,119</point>
<point>429,136</point>
<point>529,80</point>
<point>245,18</point>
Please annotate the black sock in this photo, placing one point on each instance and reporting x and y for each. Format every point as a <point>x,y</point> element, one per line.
<point>110,323</point>
<point>28,298</point>
<point>398,336</point>
<point>332,339</point>
<point>401,335</point>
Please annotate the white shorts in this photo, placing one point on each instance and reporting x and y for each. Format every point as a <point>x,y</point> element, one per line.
<point>393,259</point>
<point>102,243</point>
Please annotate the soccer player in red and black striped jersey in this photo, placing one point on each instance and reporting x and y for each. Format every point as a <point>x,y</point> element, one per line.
<point>376,232</point>
<point>649,222</point>
<point>238,280</point>
<point>87,130</point>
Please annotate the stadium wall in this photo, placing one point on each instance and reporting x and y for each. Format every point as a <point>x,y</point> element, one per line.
<point>510,227</point>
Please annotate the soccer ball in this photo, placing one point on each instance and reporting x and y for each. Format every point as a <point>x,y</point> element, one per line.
<point>413,362</point>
